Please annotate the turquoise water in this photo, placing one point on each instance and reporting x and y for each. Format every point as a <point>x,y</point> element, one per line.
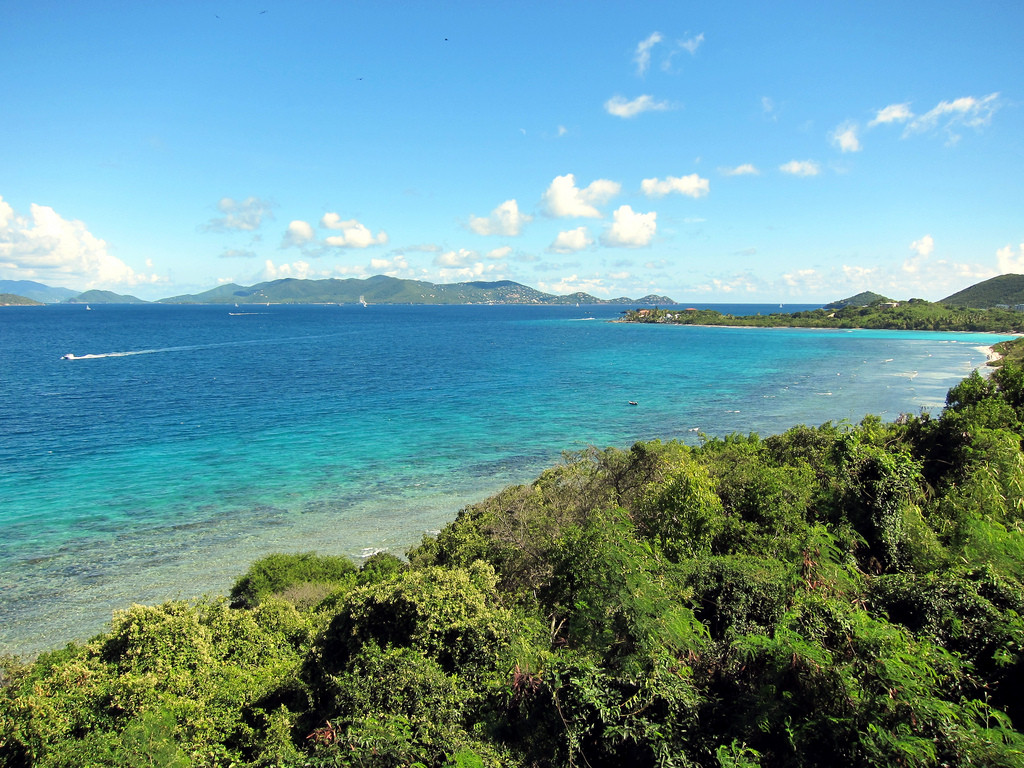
<point>183,442</point>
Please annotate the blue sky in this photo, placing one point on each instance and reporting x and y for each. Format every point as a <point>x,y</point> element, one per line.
<point>710,152</point>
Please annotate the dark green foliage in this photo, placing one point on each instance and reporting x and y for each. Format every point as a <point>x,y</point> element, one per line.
<point>843,594</point>
<point>914,315</point>
<point>276,572</point>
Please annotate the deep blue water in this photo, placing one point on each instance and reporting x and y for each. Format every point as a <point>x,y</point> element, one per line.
<point>188,441</point>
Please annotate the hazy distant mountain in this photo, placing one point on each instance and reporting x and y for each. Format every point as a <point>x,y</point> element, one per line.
<point>104,297</point>
<point>33,290</point>
<point>1005,289</point>
<point>381,289</point>
<point>13,300</point>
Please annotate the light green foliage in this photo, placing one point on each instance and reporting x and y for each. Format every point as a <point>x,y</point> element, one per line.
<point>278,572</point>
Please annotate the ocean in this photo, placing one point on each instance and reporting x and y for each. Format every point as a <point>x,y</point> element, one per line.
<point>183,442</point>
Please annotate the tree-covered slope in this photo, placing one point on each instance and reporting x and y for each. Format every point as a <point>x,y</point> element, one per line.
<point>862,299</point>
<point>914,315</point>
<point>834,595</point>
<point>13,300</point>
<point>104,297</point>
<point>1004,289</point>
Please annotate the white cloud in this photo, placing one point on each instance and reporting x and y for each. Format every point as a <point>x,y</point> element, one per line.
<point>50,248</point>
<point>922,250</point>
<point>571,241</point>
<point>390,267</point>
<point>894,113</point>
<point>924,246</point>
<point>353,234</point>
<point>630,229</point>
<point>499,253</point>
<point>562,130</point>
<point>619,275</point>
<point>244,216</point>
<point>845,138</point>
<point>574,284</point>
<point>692,186</point>
<point>767,107</point>
<point>620,107</point>
<point>563,199</point>
<point>1008,261</point>
<point>237,253</point>
<point>300,270</point>
<point>642,57</point>
<point>966,112</point>
<point>741,170</point>
<point>298,234</point>
<point>504,220</point>
<point>801,168</point>
<point>457,258</point>
<point>692,44</point>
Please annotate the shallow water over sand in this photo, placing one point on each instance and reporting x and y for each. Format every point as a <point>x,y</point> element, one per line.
<point>162,473</point>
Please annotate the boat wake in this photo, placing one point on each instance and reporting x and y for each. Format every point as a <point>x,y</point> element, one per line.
<point>189,348</point>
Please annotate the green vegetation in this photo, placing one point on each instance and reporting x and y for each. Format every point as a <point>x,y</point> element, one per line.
<point>841,594</point>
<point>1004,289</point>
<point>914,315</point>
<point>381,289</point>
<point>13,300</point>
<point>862,299</point>
<point>104,297</point>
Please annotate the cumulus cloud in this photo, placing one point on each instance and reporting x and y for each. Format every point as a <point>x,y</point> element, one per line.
<point>457,258</point>
<point>298,234</point>
<point>845,138</point>
<point>574,284</point>
<point>390,267</point>
<point>504,220</point>
<point>894,113</point>
<point>692,186</point>
<point>244,216</point>
<point>922,250</point>
<point>571,241</point>
<point>950,116</point>
<point>741,170</point>
<point>46,246</point>
<point>237,253</point>
<point>563,199</point>
<point>621,107</point>
<point>642,57</point>
<point>353,233</point>
<point>300,270</point>
<point>1009,261</point>
<point>499,253</point>
<point>630,229</point>
<point>801,168</point>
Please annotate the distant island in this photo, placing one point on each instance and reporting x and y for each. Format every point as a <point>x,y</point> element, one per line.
<point>379,289</point>
<point>382,289</point>
<point>881,313</point>
<point>13,300</point>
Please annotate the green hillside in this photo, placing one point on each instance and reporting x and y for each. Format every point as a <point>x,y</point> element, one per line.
<point>862,299</point>
<point>382,289</point>
<point>1005,289</point>
<point>104,297</point>
<point>13,300</point>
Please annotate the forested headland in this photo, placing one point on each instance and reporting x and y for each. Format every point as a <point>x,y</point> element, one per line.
<point>842,594</point>
<point>913,315</point>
